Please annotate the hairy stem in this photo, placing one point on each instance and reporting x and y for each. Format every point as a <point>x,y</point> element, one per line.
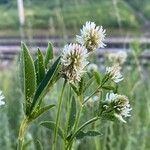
<point>23,127</point>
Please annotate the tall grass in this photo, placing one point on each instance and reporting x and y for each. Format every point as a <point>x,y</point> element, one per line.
<point>115,136</point>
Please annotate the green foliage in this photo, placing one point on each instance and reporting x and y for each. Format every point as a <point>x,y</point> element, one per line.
<point>41,111</point>
<point>82,134</point>
<point>72,115</point>
<point>69,14</point>
<point>49,54</point>
<point>51,125</point>
<point>45,82</point>
<point>29,77</point>
<point>41,66</point>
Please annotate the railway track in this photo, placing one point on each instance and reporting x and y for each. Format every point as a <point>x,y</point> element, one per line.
<point>10,47</point>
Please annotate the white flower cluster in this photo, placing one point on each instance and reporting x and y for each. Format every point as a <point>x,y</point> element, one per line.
<point>74,56</point>
<point>74,60</point>
<point>1,98</point>
<point>92,36</point>
<point>114,73</point>
<point>118,57</point>
<point>119,104</point>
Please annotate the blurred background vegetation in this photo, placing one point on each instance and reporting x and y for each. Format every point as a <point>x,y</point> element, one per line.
<point>65,17</point>
<point>60,15</point>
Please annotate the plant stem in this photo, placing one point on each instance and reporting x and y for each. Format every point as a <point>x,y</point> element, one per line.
<point>92,94</point>
<point>97,89</point>
<point>78,117</point>
<point>22,130</point>
<point>80,128</point>
<point>57,116</point>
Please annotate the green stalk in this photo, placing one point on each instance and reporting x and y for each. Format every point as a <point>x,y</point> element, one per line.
<point>80,128</point>
<point>97,89</point>
<point>78,117</point>
<point>57,116</point>
<point>23,127</point>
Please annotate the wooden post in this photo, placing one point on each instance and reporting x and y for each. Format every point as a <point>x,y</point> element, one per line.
<point>21,12</point>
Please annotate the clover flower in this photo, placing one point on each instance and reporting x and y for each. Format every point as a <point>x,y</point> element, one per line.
<point>118,57</point>
<point>1,98</point>
<point>91,37</point>
<point>114,73</point>
<point>118,105</point>
<point>74,60</point>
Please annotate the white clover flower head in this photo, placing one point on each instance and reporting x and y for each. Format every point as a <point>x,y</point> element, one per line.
<point>92,36</point>
<point>118,57</point>
<point>122,56</point>
<point>119,104</point>
<point>92,67</point>
<point>74,60</point>
<point>1,98</point>
<point>114,73</point>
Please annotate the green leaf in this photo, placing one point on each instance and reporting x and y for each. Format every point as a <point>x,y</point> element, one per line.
<point>49,54</point>
<point>82,134</point>
<point>42,110</point>
<point>36,69</point>
<point>41,66</point>
<point>81,85</point>
<point>74,88</point>
<point>29,76</point>
<point>97,77</point>
<point>39,145</point>
<point>51,125</point>
<point>72,114</point>
<point>27,144</point>
<point>90,81</point>
<point>48,78</point>
<point>108,87</point>
<point>112,86</point>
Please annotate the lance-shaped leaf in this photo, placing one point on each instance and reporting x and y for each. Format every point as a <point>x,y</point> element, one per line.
<point>72,114</point>
<point>51,125</point>
<point>42,86</point>
<point>42,110</point>
<point>41,66</point>
<point>97,77</point>
<point>49,54</point>
<point>29,76</point>
<point>113,87</point>
<point>82,134</point>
